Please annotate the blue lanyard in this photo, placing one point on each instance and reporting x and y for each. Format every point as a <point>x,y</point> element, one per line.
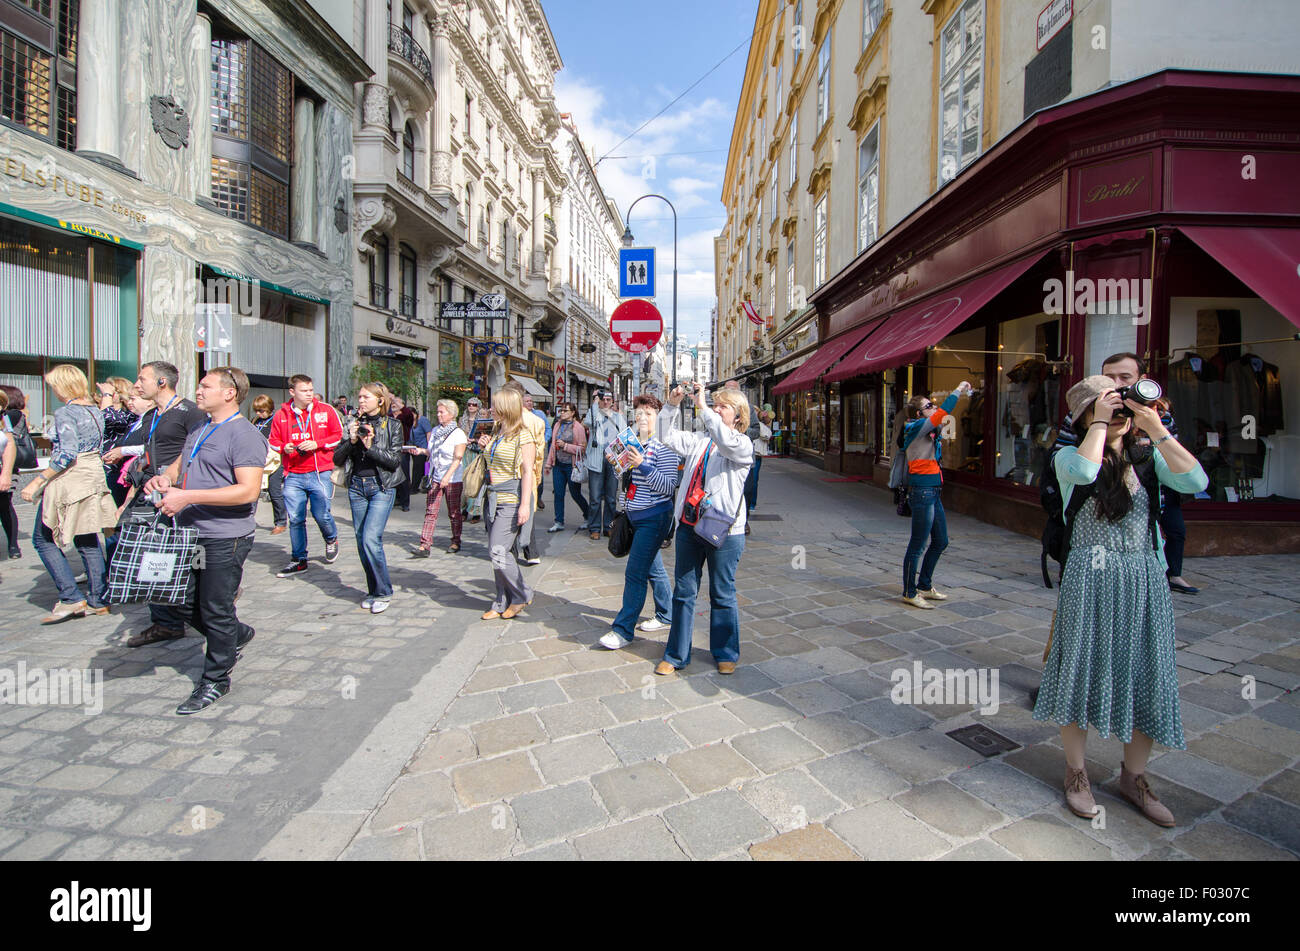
<point>158,415</point>
<point>208,430</point>
<point>293,411</point>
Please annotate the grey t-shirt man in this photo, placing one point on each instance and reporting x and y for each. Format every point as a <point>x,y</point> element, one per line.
<point>233,444</point>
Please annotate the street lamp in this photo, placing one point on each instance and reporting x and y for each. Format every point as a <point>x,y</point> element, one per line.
<point>627,243</point>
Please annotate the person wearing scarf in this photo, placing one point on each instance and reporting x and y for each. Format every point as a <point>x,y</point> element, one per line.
<point>445,451</point>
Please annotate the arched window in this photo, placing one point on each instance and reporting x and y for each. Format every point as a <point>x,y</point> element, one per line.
<point>408,151</point>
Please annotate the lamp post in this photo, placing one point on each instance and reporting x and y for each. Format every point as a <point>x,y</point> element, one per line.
<point>627,243</point>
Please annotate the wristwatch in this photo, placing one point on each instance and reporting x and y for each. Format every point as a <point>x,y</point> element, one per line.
<point>1162,439</point>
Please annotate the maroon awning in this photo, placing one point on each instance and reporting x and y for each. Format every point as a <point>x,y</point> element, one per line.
<point>1266,259</point>
<point>806,374</point>
<point>905,334</point>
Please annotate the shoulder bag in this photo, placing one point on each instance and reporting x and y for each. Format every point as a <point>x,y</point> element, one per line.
<point>710,522</point>
<point>24,445</point>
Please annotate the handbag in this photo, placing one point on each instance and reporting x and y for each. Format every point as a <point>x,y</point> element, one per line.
<point>711,523</point>
<point>620,535</point>
<point>902,504</point>
<point>579,474</point>
<point>475,476</point>
<point>24,445</point>
<point>340,475</point>
<point>153,563</point>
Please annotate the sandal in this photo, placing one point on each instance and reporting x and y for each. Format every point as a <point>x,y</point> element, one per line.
<point>514,609</point>
<point>491,615</point>
<point>453,548</point>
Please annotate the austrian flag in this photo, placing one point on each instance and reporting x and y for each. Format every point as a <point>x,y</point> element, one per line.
<point>752,312</point>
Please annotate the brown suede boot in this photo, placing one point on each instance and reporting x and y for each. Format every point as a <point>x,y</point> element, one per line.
<point>1078,793</point>
<point>1136,790</point>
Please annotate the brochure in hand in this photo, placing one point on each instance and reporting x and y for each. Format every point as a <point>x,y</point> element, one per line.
<point>620,449</point>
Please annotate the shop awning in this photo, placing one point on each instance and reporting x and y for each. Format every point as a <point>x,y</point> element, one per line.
<point>590,375</point>
<point>1264,258</point>
<point>904,335</point>
<point>269,285</point>
<point>823,358</point>
<point>531,386</point>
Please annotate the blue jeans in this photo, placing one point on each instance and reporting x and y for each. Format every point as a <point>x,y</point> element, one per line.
<point>724,617</point>
<point>371,504</point>
<point>927,521</point>
<point>56,563</point>
<point>299,488</point>
<point>603,487</point>
<point>751,483</point>
<point>645,563</point>
<point>560,474</point>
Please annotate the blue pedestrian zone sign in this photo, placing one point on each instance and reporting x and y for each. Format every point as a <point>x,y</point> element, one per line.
<point>636,268</point>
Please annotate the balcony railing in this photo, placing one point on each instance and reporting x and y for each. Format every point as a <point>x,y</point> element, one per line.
<point>404,45</point>
<point>406,307</point>
<point>379,295</point>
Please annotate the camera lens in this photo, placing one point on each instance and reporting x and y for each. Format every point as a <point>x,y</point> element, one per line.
<point>1145,391</point>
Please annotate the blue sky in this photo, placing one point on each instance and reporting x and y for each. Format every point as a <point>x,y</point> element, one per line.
<point>623,62</point>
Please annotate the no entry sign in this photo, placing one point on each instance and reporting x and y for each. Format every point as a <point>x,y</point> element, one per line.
<point>636,326</point>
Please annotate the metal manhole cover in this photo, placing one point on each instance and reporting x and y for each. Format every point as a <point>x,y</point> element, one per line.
<point>765,518</point>
<point>984,741</point>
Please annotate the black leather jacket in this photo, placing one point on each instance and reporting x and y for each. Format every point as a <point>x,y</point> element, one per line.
<point>385,452</point>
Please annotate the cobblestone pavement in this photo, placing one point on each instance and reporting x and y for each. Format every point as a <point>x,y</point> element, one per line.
<point>427,733</point>
<point>558,749</point>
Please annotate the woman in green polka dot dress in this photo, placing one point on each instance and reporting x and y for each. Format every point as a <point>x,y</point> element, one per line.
<point>1111,663</point>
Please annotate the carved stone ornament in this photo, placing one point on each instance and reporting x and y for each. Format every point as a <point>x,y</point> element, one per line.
<point>374,107</point>
<point>341,216</point>
<point>170,121</point>
<point>372,216</point>
<point>440,169</point>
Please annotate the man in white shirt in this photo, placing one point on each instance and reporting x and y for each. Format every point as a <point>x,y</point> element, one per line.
<point>603,426</point>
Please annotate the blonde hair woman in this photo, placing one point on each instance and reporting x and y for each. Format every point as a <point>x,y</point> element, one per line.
<point>510,453</point>
<point>371,456</point>
<point>444,451</point>
<point>75,502</point>
<point>717,462</point>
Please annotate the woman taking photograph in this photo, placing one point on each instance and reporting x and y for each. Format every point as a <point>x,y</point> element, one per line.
<point>717,462</point>
<point>371,457</point>
<point>916,434</point>
<point>568,446</point>
<point>445,450</point>
<point>650,513</point>
<point>1111,658</point>
<point>263,416</point>
<point>75,504</point>
<point>510,455</point>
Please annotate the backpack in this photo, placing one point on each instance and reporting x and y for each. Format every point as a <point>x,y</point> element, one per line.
<point>1057,531</point>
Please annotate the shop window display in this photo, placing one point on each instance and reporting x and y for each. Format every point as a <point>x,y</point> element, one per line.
<point>859,411</point>
<point>889,406</point>
<point>1029,388</point>
<point>833,416</point>
<point>1230,363</point>
<point>958,358</point>
<point>810,420</point>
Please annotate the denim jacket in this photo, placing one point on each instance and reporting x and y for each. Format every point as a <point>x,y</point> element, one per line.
<point>77,429</point>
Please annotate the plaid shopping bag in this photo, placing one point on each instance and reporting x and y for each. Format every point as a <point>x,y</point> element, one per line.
<point>152,563</point>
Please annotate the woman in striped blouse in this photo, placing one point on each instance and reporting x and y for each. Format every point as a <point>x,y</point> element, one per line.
<point>650,513</point>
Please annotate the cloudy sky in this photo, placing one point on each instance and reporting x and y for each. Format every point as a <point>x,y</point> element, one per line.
<point>625,61</point>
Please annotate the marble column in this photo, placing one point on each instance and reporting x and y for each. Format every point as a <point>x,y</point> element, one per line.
<point>440,165</point>
<point>374,104</point>
<point>99,78</point>
<point>539,223</point>
<point>167,318</point>
<point>302,198</point>
<point>201,126</point>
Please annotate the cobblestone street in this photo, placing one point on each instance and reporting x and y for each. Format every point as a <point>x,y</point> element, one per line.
<point>427,733</point>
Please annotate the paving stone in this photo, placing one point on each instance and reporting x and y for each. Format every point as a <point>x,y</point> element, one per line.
<point>39,845</point>
<point>642,840</point>
<point>1199,662</point>
<point>580,716</point>
<point>495,779</point>
<point>78,778</point>
<point>1042,837</point>
<point>856,779</point>
<point>883,831</point>
<point>1008,790</point>
<point>1285,679</point>
<point>574,758</point>
<point>399,847</point>
<point>1046,763</point>
<point>789,670</point>
<point>482,834</point>
<point>413,798</point>
<point>467,710</point>
<point>507,733</point>
<point>922,756</point>
<point>790,800</point>
<point>443,749</point>
<point>633,790</point>
<point>707,768</point>
<point>948,809</point>
<point>859,685</point>
<point>1281,714</point>
<point>717,824</point>
<point>981,850</point>
<point>590,685</point>
<point>763,710</point>
<point>88,850</point>
<point>814,698</point>
<point>1236,755</point>
<point>491,678</point>
<point>1285,785</point>
<point>1218,842</point>
<point>814,843</point>
<point>648,739</point>
<point>1263,734</point>
<point>531,696</point>
<point>747,681</point>
<point>834,732</point>
<point>706,724</point>
<point>784,645</point>
<point>150,818</point>
<point>557,813</point>
<point>874,652</point>
<point>775,749</point>
<point>632,705</point>
<point>1269,818</point>
<point>886,718</point>
<point>85,813</point>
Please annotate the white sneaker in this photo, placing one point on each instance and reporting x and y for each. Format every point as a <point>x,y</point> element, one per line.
<point>917,601</point>
<point>614,640</point>
<point>367,603</point>
<point>557,527</point>
<point>654,624</point>
<point>379,606</point>
<point>933,594</point>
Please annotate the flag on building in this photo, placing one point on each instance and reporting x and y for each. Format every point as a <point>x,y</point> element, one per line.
<point>751,311</point>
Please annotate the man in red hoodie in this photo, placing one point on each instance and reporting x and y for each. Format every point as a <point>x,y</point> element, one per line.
<point>304,433</point>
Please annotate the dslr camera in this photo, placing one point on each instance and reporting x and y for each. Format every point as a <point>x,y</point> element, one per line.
<point>1143,391</point>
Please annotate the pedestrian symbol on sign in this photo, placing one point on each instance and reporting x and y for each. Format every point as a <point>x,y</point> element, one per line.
<point>636,273</point>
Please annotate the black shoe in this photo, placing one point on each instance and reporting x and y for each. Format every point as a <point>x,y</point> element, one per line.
<point>530,558</point>
<point>205,695</point>
<point>292,568</point>
<point>243,642</point>
<point>747,528</point>
<point>418,552</point>
<point>1184,588</point>
<point>406,508</point>
<point>331,551</point>
<point>15,552</point>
